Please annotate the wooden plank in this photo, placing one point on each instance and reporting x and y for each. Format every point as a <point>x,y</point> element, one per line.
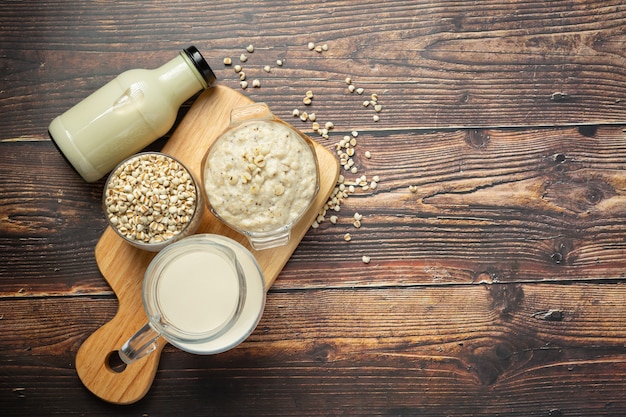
<point>434,64</point>
<point>492,205</point>
<point>508,349</point>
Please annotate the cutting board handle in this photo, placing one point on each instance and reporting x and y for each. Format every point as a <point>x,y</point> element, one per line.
<point>98,364</point>
<point>102,371</point>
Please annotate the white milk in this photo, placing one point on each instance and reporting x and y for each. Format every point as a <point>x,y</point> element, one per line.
<point>198,291</point>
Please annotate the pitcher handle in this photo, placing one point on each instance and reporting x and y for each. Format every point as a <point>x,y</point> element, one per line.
<point>142,343</point>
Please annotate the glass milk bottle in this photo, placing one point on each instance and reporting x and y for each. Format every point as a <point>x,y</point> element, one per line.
<point>128,113</point>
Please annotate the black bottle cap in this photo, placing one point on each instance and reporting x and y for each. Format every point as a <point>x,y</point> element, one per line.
<point>201,65</point>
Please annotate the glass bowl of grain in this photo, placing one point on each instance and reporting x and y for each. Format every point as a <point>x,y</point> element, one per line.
<point>260,176</point>
<point>152,200</point>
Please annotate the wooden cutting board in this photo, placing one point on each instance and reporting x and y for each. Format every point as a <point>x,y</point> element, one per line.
<point>123,266</point>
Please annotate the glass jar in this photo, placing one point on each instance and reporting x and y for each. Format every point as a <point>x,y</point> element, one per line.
<point>260,176</point>
<point>152,200</point>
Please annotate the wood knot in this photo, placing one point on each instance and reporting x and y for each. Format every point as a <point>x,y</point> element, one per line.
<point>588,130</point>
<point>559,96</point>
<point>559,158</point>
<point>323,352</point>
<point>594,195</point>
<point>477,138</point>
<point>557,257</point>
<point>507,298</point>
<point>489,362</point>
<point>576,194</point>
<point>549,315</point>
<point>560,252</point>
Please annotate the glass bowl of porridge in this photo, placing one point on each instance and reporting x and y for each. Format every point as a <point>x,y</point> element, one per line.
<point>260,176</point>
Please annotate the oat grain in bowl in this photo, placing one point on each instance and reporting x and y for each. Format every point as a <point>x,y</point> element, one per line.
<point>151,200</point>
<point>260,178</point>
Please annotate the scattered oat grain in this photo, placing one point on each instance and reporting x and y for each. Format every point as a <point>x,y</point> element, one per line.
<point>250,48</point>
<point>256,83</point>
<point>243,57</point>
<point>267,68</point>
<point>243,84</point>
<point>227,61</point>
<point>366,259</point>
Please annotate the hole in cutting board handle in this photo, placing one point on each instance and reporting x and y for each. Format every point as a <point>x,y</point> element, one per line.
<point>115,363</point>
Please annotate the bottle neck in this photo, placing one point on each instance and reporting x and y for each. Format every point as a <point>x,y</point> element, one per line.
<point>179,79</point>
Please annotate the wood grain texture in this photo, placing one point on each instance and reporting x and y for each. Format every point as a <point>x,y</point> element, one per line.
<point>491,205</point>
<point>520,206</point>
<point>434,64</point>
<point>497,288</point>
<point>485,349</point>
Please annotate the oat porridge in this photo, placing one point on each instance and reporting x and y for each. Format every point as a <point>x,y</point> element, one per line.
<point>260,176</point>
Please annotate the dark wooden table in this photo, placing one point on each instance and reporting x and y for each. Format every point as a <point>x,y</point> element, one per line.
<point>497,231</point>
